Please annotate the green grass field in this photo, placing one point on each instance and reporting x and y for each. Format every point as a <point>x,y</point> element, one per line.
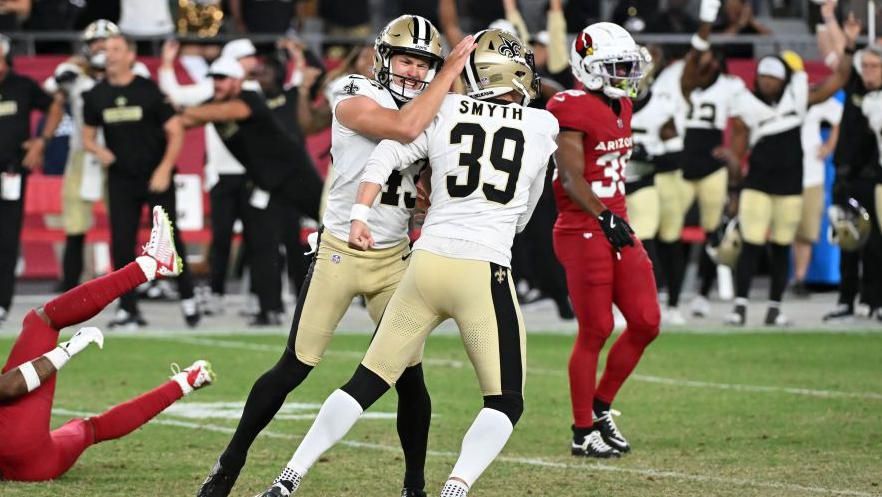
<point>756,414</point>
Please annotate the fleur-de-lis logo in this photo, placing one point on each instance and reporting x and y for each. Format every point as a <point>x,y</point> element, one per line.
<point>510,48</point>
<point>120,101</point>
<point>351,88</point>
<point>500,275</point>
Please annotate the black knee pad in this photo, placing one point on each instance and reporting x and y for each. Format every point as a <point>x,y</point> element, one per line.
<point>510,404</point>
<point>365,386</point>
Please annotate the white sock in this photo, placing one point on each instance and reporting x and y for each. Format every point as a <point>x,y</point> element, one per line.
<point>336,417</point>
<point>148,265</point>
<point>481,444</point>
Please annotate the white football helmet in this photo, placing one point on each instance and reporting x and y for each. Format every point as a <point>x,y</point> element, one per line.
<point>605,57</point>
<point>97,30</point>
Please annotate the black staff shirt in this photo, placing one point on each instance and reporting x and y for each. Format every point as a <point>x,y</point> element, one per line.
<point>18,97</point>
<point>133,119</point>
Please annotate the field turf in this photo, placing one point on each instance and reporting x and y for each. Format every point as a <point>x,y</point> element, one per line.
<point>752,414</point>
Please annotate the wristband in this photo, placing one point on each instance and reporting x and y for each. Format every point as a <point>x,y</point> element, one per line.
<point>699,43</point>
<point>31,378</point>
<point>359,212</point>
<point>58,357</point>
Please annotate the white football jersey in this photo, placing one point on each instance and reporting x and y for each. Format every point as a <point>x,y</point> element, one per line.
<point>872,108</point>
<point>73,91</point>
<point>767,120</point>
<point>488,165</point>
<point>349,152</point>
<point>646,125</point>
<point>812,166</point>
<point>711,107</point>
<point>668,84</point>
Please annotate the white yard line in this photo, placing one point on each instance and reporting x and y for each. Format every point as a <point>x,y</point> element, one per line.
<point>527,461</point>
<point>735,387</point>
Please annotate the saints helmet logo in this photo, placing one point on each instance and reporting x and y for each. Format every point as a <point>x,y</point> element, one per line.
<point>351,88</point>
<point>120,101</point>
<point>510,48</point>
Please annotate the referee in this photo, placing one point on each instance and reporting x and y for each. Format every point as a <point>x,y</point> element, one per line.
<point>144,139</point>
<point>19,154</point>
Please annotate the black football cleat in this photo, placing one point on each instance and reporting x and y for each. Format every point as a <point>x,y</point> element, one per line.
<point>610,433</point>
<point>218,483</point>
<point>843,313</point>
<point>592,445</point>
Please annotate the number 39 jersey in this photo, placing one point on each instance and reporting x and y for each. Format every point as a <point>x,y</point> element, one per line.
<point>488,165</point>
<point>349,152</point>
<point>607,147</point>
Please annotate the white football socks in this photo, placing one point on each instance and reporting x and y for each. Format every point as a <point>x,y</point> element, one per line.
<point>454,488</point>
<point>148,265</point>
<point>481,444</point>
<point>336,417</point>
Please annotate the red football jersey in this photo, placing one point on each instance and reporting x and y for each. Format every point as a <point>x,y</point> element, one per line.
<point>607,144</point>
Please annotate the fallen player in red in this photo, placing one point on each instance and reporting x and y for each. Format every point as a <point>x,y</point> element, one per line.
<point>29,450</point>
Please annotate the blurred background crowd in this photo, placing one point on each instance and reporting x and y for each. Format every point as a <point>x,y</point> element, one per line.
<point>303,46</point>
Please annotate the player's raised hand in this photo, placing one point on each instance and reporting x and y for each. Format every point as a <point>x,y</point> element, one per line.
<point>616,229</point>
<point>456,59</point>
<point>360,237</point>
<point>170,49</point>
<point>851,28</point>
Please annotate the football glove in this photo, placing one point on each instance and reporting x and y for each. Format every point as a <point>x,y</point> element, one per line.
<point>616,229</point>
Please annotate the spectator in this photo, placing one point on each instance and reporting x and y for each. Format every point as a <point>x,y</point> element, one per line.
<point>676,19</point>
<point>346,18</point>
<point>13,13</point>
<point>145,18</point>
<point>143,139</point>
<point>477,15</point>
<point>581,13</point>
<point>634,15</point>
<point>422,8</point>
<point>738,19</point>
<point>265,16</point>
<point>19,154</point>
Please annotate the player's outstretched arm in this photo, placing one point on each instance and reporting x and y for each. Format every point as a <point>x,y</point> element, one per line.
<point>389,155</point>
<point>571,170</point>
<point>839,77</point>
<point>366,117</point>
<point>700,44</point>
<point>29,376</point>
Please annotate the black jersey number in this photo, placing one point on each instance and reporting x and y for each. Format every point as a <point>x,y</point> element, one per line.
<point>472,160</point>
<point>392,195</point>
<point>706,112</point>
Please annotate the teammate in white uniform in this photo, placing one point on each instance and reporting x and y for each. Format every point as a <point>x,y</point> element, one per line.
<point>871,106</point>
<point>408,56</point>
<point>489,155</point>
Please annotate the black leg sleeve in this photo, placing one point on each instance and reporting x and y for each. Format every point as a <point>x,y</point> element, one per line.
<point>780,269</point>
<point>414,417</point>
<point>747,262</point>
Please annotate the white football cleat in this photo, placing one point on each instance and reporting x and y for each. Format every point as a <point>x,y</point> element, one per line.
<point>161,246</point>
<point>81,339</point>
<point>700,307</point>
<point>672,316</point>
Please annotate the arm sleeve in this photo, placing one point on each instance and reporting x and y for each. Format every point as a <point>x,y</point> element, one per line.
<point>186,95</point>
<point>558,53</point>
<point>391,155</point>
<point>535,194</point>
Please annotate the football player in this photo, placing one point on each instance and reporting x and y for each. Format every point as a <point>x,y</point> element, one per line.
<point>710,94</point>
<point>770,205</point>
<point>83,175</point>
<point>30,452</point>
<point>489,154</point>
<point>670,187</point>
<point>605,265</point>
<point>398,104</point>
<point>653,126</point>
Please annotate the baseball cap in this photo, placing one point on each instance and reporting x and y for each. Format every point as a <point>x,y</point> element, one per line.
<point>771,66</point>
<point>237,49</point>
<point>226,67</point>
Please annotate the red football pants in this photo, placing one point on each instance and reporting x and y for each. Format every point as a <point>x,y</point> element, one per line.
<point>597,278</point>
<point>29,451</point>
